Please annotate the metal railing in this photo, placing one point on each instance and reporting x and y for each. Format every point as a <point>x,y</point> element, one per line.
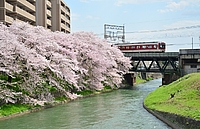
<point>166,54</point>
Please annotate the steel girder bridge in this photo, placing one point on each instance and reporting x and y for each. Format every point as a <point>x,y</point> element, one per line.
<point>154,62</point>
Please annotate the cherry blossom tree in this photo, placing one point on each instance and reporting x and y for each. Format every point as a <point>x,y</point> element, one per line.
<point>49,64</point>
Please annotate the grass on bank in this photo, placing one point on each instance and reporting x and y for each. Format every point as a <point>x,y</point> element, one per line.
<point>181,97</point>
<point>9,109</point>
<point>139,80</point>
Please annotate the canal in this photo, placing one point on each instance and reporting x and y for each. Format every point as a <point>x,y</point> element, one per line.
<point>120,109</point>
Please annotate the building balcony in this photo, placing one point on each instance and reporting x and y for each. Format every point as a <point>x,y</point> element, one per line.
<point>48,22</point>
<point>48,12</point>
<point>9,19</point>
<point>9,7</point>
<point>63,17</point>
<point>63,26</point>
<point>68,13</point>
<point>27,4</point>
<point>63,9</point>
<point>68,21</point>
<point>68,29</point>
<point>25,14</point>
<point>48,3</point>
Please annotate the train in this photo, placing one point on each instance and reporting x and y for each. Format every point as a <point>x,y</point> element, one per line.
<point>142,47</point>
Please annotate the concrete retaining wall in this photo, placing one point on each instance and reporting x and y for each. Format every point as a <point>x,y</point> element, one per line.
<point>175,121</point>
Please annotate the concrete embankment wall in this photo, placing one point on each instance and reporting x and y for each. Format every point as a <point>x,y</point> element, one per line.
<point>175,121</point>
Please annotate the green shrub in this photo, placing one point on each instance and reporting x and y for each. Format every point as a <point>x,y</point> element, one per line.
<point>4,77</point>
<point>61,98</point>
<point>107,87</point>
<point>51,88</point>
<point>85,92</point>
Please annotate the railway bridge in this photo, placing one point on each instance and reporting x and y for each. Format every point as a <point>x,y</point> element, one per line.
<point>165,63</point>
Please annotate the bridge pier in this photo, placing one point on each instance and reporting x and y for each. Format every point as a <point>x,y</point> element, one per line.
<point>169,78</point>
<point>144,75</point>
<point>130,79</point>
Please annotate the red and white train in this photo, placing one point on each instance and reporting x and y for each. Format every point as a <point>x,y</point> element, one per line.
<point>142,47</point>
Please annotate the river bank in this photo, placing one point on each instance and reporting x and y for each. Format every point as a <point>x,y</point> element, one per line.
<point>119,109</point>
<point>177,103</point>
<point>50,105</point>
<point>56,103</point>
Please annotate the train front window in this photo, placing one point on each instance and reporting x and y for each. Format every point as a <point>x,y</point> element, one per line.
<point>162,46</point>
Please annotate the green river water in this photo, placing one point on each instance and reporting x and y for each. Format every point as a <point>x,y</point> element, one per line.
<point>120,109</point>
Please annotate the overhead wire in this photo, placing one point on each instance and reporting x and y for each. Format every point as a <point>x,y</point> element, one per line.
<point>162,30</point>
<point>172,34</point>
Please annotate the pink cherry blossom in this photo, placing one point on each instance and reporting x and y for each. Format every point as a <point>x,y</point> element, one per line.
<point>66,62</point>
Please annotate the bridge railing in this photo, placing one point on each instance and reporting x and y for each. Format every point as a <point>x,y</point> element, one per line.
<point>166,54</point>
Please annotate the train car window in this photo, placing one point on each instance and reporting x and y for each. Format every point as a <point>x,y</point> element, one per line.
<point>144,46</point>
<point>155,46</point>
<point>132,47</point>
<point>127,47</point>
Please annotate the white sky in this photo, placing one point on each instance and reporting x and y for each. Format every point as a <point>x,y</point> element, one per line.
<point>176,21</point>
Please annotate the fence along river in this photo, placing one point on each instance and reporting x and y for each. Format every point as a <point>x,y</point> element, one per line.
<point>120,109</point>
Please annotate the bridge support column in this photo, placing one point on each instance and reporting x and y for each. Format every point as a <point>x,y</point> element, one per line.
<point>169,78</point>
<point>144,75</point>
<point>130,79</point>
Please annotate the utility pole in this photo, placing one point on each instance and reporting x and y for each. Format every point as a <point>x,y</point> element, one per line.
<point>105,32</point>
<point>123,37</point>
<point>192,42</point>
<point>199,40</point>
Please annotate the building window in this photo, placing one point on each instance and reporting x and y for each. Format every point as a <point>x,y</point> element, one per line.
<point>193,66</point>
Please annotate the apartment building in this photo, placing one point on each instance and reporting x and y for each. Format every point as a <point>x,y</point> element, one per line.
<point>51,14</point>
<point>19,10</point>
<point>61,15</point>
